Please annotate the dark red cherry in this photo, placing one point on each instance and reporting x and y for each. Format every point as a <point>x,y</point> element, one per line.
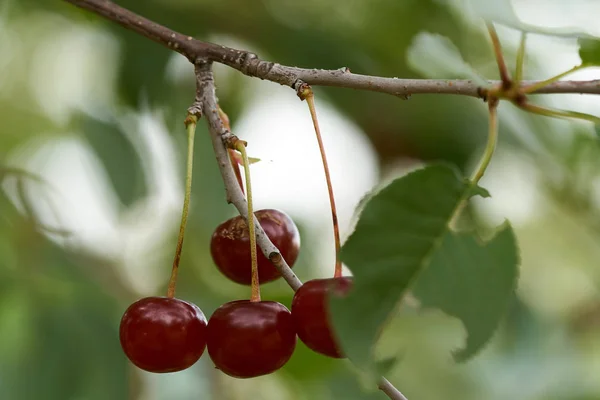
<point>311,315</point>
<point>161,334</point>
<point>248,339</point>
<point>230,246</point>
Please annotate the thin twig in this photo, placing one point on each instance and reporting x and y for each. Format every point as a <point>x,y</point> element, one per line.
<point>219,135</point>
<point>249,64</point>
<point>386,387</point>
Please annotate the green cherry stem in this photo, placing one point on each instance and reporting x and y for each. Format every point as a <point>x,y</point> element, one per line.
<point>190,123</point>
<point>307,94</point>
<point>233,156</point>
<point>255,296</point>
<point>485,158</point>
<point>490,147</point>
<point>539,85</point>
<point>532,108</point>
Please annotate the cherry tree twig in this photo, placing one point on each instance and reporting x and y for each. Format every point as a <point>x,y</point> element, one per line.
<point>249,63</point>
<point>206,104</point>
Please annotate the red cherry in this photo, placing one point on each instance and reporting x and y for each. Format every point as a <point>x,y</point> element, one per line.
<point>230,246</point>
<point>311,315</point>
<point>248,339</point>
<point>161,334</point>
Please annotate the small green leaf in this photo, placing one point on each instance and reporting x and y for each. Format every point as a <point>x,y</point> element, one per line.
<point>398,231</point>
<point>471,281</point>
<point>589,51</point>
<point>435,56</point>
<point>597,126</point>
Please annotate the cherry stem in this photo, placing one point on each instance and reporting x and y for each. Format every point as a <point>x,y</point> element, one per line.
<point>485,159</point>
<point>532,108</point>
<point>190,123</point>
<point>504,75</point>
<point>491,143</point>
<point>539,85</point>
<point>309,96</point>
<point>255,296</point>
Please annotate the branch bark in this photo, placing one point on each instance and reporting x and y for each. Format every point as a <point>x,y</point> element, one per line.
<point>249,63</point>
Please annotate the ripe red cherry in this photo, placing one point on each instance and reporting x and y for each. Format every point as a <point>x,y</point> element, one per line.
<point>161,334</point>
<point>311,315</point>
<point>248,339</point>
<point>230,246</point>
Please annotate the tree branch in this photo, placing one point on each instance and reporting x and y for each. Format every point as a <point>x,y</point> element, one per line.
<point>206,101</point>
<point>249,64</point>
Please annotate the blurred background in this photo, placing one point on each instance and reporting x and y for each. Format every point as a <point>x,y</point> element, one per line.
<point>92,148</point>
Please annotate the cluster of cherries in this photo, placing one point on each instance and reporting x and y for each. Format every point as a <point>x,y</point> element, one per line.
<point>244,338</point>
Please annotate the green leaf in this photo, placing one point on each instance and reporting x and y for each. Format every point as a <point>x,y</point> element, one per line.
<point>471,281</point>
<point>398,232</point>
<point>502,11</point>
<point>435,56</point>
<point>589,51</point>
<point>119,157</point>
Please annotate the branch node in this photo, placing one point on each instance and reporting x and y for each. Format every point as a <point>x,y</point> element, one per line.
<point>247,63</point>
<point>303,89</point>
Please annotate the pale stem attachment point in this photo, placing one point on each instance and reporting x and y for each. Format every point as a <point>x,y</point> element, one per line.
<point>190,123</point>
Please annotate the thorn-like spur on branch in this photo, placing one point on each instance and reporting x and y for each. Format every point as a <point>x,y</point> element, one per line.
<point>220,136</point>
<point>502,69</point>
<point>249,64</point>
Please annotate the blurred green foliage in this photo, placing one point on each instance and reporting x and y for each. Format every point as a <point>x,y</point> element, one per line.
<point>61,298</point>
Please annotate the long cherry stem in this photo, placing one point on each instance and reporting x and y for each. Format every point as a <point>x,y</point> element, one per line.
<point>255,296</point>
<point>307,94</point>
<point>190,123</point>
<point>491,142</point>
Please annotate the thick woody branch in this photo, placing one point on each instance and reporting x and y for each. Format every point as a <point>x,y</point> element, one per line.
<point>206,101</point>
<point>249,64</point>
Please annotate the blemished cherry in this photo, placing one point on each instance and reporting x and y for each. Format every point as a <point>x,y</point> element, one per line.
<point>230,246</point>
<point>162,334</point>
<point>248,339</point>
<point>311,315</point>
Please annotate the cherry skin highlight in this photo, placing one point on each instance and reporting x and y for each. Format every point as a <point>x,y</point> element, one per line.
<point>311,315</point>
<point>230,246</point>
<point>248,339</point>
<point>161,334</point>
